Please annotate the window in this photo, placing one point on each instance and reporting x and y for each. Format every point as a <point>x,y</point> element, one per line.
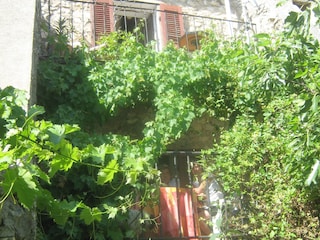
<point>130,15</point>
<point>159,22</point>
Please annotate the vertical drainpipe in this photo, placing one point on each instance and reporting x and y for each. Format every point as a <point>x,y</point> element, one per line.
<point>228,14</point>
<point>246,20</point>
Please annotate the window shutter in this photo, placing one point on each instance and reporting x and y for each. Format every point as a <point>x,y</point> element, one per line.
<point>171,23</point>
<point>103,18</point>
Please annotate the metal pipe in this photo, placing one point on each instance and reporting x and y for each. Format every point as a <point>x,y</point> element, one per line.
<point>228,14</point>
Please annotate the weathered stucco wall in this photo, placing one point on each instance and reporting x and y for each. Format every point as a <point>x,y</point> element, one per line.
<point>18,53</point>
<point>18,60</point>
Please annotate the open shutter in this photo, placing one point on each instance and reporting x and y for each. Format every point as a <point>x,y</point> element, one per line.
<point>103,18</point>
<point>171,23</point>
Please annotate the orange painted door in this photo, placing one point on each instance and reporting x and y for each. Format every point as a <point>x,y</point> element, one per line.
<point>178,216</point>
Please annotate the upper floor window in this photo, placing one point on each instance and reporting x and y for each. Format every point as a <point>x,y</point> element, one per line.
<point>158,22</point>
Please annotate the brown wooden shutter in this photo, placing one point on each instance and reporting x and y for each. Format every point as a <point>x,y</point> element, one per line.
<point>103,18</point>
<point>171,23</point>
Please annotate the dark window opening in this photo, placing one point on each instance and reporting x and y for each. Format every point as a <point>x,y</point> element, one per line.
<point>179,165</point>
<point>130,24</point>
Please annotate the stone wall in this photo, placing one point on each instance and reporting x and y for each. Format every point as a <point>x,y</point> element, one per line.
<point>202,133</point>
<point>213,8</point>
<point>268,15</point>
<point>77,16</point>
<point>16,223</point>
<point>260,15</point>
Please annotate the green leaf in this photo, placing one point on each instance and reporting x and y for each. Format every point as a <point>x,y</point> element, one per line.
<point>58,213</point>
<point>71,128</point>
<point>301,73</point>
<point>132,177</point>
<point>88,215</point>
<point>315,101</point>
<point>44,200</point>
<point>263,39</point>
<point>37,172</point>
<point>98,154</point>
<point>116,234</point>
<point>306,106</point>
<point>6,158</point>
<point>316,11</point>
<point>59,163</point>
<point>26,191</point>
<point>23,184</point>
<point>272,234</point>
<point>62,210</point>
<point>64,160</point>
<point>112,212</point>
<point>106,174</point>
<point>35,111</point>
<point>56,133</point>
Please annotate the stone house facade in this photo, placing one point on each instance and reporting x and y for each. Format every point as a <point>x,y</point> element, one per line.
<point>180,21</point>
<point>176,20</point>
<point>161,20</point>
<point>20,50</point>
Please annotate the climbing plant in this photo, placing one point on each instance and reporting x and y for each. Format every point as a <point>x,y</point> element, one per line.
<point>83,184</point>
<point>269,159</point>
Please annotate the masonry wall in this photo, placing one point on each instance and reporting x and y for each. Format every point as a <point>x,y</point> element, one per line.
<point>202,133</point>
<point>206,130</point>
<point>259,15</point>
<point>77,15</point>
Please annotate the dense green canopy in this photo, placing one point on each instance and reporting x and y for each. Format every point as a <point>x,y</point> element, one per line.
<point>267,89</point>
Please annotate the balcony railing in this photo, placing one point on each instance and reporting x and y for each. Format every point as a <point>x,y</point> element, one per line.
<point>176,215</point>
<point>85,21</point>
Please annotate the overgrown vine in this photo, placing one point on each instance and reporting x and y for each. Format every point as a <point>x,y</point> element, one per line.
<point>52,159</point>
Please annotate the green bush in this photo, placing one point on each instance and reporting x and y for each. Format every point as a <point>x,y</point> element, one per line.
<point>83,184</point>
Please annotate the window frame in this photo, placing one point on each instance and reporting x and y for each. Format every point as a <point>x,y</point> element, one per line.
<point>165,20</point>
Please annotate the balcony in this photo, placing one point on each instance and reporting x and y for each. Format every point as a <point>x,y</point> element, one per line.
<point>86,21</point>
<point>177,214</point>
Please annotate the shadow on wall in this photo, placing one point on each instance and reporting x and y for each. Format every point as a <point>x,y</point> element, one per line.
<point>202,133</point>
<point>128,121</point>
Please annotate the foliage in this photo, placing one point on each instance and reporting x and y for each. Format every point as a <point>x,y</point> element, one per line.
<point>62,83</point>
<point>40,164</point>
<point>270,156</point>
<point>268,90</point>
